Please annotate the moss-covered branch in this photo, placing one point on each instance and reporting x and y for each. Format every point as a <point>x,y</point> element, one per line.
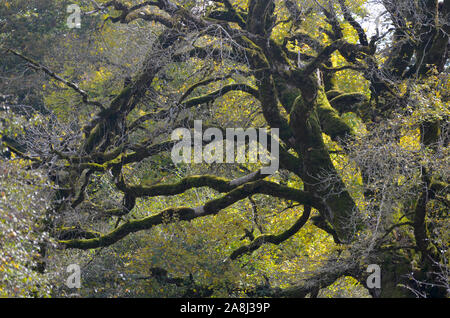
<point>348,16</point>
<point>271,238</point>
<point>346,102</point>
<point>319,174</point>
<point>118,157</point>
<point>17,148</point>
<point>75,232</point>
<point>187,214</point>
<point>322,57</point>
<point>229,15</point>
<point>332,270</point>
<point>219,184</point>
<point>220,92</point>
<point>329,118</point>
<point>53,75</point>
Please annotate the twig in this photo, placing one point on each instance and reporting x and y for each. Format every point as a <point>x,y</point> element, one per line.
<point>52,74</point>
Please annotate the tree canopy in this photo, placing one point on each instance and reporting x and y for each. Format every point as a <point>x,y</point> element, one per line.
<point>358,91</point>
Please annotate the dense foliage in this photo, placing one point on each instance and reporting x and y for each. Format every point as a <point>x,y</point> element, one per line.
<point>358,91</point>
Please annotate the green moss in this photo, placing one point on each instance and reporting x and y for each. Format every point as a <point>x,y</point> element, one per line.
<point>94,137</point>
<point>345,102</point>
<point>286,94</point>
<point>74,231</point>
<point>187,214</point>
<point>330,120</point>
<point>333,93</point>
<point>305,123</point>
<point>217,183</point>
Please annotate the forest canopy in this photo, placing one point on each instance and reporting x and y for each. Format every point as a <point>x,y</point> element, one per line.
<point>349,100</point>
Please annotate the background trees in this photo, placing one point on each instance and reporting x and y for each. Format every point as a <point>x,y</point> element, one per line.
<point>363,146</point>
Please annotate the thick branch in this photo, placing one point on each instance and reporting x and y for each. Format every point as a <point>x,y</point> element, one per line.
<point>274,239</point>
<point>347,15</point>
<point>52,74</point>
<point>213,182</point>
<point>322,57</point>
<point>187,214</point>
<point>221,92</point>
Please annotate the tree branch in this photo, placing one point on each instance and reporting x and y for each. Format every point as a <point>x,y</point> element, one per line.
<point>188,214</point>
<point>274,239</point>
<point>347,15</point>
<point>52,74</point>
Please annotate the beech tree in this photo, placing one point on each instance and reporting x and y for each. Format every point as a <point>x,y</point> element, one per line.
<point>360,101</point>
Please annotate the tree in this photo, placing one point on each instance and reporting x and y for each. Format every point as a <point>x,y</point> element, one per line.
<point>369,167</point>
